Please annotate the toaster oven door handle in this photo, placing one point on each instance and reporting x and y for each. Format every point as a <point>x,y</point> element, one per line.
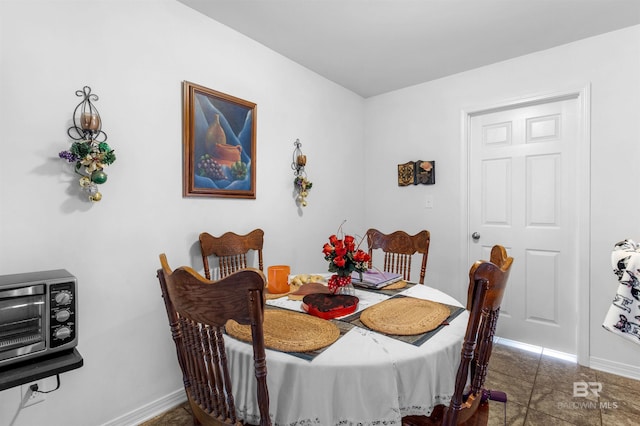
<point>22,291</point>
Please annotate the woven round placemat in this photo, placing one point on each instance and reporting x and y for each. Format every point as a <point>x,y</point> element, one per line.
<point>404,316</point>
<point>395,286</point>
<point>289,331</point>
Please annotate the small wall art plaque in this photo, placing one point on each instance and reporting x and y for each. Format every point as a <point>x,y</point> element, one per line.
<point>417,172</point>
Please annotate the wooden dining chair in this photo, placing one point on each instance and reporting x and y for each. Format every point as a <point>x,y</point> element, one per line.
<point>198,309</point>
<point>399,248</point>
<point>231,250</point>
<point>469,406</point>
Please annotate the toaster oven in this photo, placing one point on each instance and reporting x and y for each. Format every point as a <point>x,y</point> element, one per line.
<point>38,314</point>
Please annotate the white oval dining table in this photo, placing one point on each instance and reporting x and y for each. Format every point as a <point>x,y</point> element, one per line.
<point>364,378</point>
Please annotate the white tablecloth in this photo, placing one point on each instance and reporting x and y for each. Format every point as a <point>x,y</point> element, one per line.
<point>365,378</point>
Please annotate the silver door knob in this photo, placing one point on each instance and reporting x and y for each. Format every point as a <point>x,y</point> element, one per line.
<point>475,236</point>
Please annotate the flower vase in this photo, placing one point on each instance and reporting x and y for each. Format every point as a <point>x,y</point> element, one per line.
<point>341,285</point>
<point>348,290</point>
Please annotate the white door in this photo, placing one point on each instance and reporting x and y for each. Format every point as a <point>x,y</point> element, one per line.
<point>523,196</point>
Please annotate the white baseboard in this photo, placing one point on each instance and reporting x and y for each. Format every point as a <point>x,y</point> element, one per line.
<point>150,410</point>
<point>625,370</point>
<point>608,366</point>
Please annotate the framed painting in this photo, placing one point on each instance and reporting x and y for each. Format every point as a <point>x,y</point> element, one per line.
<point>219,144</point>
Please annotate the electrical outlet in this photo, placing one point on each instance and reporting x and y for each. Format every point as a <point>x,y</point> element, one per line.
<point>429,202</point>
<point>29,397</point>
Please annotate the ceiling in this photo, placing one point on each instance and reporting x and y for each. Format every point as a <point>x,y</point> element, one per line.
<point>376,46</point>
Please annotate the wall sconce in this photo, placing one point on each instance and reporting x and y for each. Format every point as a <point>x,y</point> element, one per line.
<point>90,151</point>
<point>301,184</point>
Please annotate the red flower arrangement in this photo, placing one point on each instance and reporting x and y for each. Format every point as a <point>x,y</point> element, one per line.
<point>344,258</point>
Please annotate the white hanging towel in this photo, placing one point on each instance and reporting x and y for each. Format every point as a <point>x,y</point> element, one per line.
<point>623,317</point>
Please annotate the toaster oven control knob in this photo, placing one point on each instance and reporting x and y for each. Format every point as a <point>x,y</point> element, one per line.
<point>63,298</point>
<point>62,333</point>
<point>62,315</point>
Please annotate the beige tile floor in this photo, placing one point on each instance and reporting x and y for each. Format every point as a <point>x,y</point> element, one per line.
<point>540,389</point>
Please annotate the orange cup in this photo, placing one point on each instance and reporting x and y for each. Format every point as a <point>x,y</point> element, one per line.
<point>278,279</point>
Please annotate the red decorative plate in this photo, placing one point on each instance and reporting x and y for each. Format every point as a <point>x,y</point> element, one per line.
<point>328,306</point>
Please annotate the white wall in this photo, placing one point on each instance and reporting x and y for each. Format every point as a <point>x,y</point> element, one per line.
<point>424,122</point>
<point>134,55</point>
